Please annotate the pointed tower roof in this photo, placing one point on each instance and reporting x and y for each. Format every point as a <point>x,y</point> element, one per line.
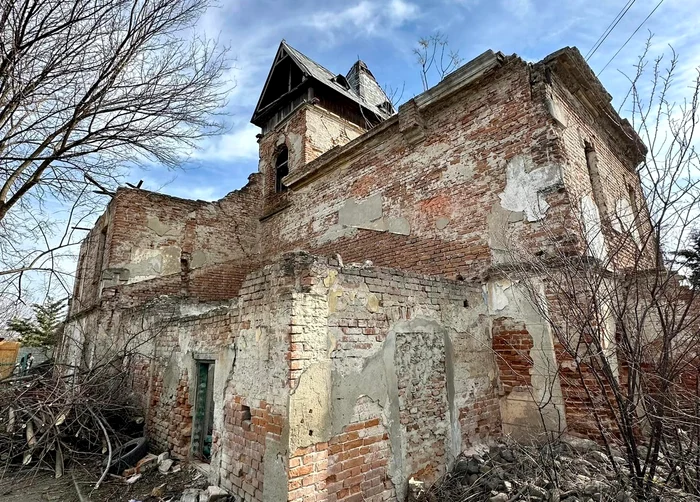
<point>282,82</point>
<point>363,83</point>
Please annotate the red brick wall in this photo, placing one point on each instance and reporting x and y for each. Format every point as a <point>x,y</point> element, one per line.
<point>221,234</point>
<point>351,467</point>
<point>308,473</point>
<point>169,423</point>
<point>358,459</point>
<point>480,419</point>
<point>616,167</point>
<point>418,182</point>
<point>512,344</point>
<point>242,445</point>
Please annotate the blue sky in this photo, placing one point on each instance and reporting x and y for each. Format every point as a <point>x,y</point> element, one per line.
<point>384,33</point>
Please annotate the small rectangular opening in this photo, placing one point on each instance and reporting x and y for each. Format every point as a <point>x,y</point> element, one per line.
<point>100,255</point>
<point>203,423</point>
<point>245,415</point>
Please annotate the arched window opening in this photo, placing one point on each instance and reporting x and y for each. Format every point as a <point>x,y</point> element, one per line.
<point>281,169</point>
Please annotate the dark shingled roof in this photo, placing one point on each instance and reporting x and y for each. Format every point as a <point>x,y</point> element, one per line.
<point>315,70</point>
<point>360,85</point>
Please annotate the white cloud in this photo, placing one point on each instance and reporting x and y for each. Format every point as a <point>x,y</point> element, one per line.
<point>369,18</point>
<point>239,144</point>
<point>403,11</point>
<point>521,9</point>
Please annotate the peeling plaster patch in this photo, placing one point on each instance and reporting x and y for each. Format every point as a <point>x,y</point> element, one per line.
<point>556,111</point>
<point>196,309</point>
<point>442,222</point>
<point>363,214</point>
<point>332,342</point>
<point>593,229</point>
<point>310,407</point>
<point>333,297</point>
<point>274,467</point>
<point>498,233</point>
<point>199,258</point>
<point>399,226</point>
<point>368,215</point>
<point>495,295</point>
<point>329,280</point>
<point>524,182</point>
<point>522,409</point>
<point>150,263</point>
<point>372,303</point>
<point>296,147</point>
<point>159,228</point>
<point>335,232</point>
<point>458,172</point>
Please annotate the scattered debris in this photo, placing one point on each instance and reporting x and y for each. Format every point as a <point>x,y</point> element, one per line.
<point>133,479</point>
<point>48,417</point>
<point>190,495</point>
<point>569,470</point>
<point>416,490</point>
<point>216,494</point>
<point>147,463</point>
<point>165,466</point>
<point>158,491</point>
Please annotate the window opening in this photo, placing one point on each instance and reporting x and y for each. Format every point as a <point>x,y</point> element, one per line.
<point>596,180</point>
<point>633,201</point>
<point>99,258</point>
<point>281,169</point>
<point>203,429</point>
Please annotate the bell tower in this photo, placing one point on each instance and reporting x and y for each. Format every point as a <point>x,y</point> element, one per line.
<point>305,110</point>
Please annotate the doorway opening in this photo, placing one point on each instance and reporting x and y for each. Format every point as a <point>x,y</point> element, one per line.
<point>203,426</point>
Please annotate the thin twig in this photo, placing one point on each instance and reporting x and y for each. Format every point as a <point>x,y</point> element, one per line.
<point>109,448</point>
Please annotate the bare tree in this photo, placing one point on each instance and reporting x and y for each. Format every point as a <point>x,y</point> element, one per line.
<point>625,323</point>
<point>434,57</point>
<point>89,88</point>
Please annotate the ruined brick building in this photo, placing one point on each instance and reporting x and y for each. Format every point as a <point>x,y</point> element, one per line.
<point>345,321</point>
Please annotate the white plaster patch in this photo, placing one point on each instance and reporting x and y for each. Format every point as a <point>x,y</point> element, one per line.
<point>592,229</point>
<point>363,214</point>
<point>556,111</point>
<point>367,214</point>
<point>399,226</point>
<point>624,220</point>
<point>495,295</point>
<point>524,183</point>
<point>149,263</point>
<point>296,147</point>
<point>442,222</point>
<point>158,227</point>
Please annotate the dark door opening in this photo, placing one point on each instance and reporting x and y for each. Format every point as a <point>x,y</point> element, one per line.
<point>203,426</point>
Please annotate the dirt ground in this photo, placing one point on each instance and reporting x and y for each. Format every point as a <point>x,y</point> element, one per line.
<point>40,486</point>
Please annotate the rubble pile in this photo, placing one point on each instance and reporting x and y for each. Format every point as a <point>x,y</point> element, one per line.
<point>569,470</point>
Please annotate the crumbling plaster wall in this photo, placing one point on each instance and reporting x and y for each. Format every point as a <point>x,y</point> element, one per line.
<point>533,401</point>
<point>326,130</point>
<point>329,379</point>
<point>616,184</point>
<point>392,377</point>
<point>424,202</point>
<point>307,133</point>
<point>151,236</point>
